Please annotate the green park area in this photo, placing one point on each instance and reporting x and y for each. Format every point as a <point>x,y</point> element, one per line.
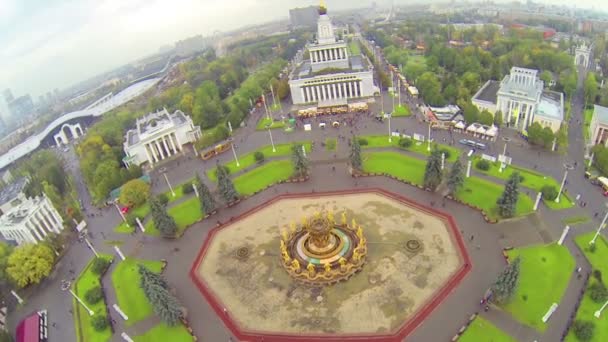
<point>482,330</point>
<point>484,194</point>
<point>587,116</point>
<point>597,257</point>
<point>403,167</point>
<point>248,159</point>
<point>531,179</point>
<point>263,176</point>
<point>265,123</point>
<point>185,214</point>
<point>375,141</point>
<point>164,333</point>
<point>544,274</point>
<point>130,296</point>
<point>401,110</point>
<point>87,280</point>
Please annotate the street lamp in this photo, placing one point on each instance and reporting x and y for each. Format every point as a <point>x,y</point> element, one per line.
<point>271,141</point>
<point>390,135</point>
<point>169,184</point>
<point>234,154</point>
<point>65,286</point>
<point>121,213</point>
<point>599,229</point>
<point>598,313</point>
<point>428,146</point>
<point>561,188</point>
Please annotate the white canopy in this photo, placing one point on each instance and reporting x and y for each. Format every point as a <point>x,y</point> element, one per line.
<point>459,125</point>
<point>472,128</point>
<point>481,130</point>
<point>492,131</point>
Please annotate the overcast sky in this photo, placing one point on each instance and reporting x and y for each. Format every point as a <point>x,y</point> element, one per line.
<point>49,44</point>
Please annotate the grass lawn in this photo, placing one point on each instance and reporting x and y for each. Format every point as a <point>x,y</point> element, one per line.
<point>331,144</point>
<point>402,111</point>
<point>130,296</point>
<point>587,115</point>
<point>262,124</point>
<point>86,281</point>
<point>263,176</point>
<point>544,275</point>
<point>382,141</point>
<point>483,194</point>
<point>122,228</point>
<point>577,219</point>
<point>179,190</point>
<point>353,48</point>
<point>184,214</point>
<point>393,163</point>
<point>588,307</point>
<point>246,160</point>
<point>141,211</point>
<point>165,333</point>
<point>483,330</point>
<point>532,180</point>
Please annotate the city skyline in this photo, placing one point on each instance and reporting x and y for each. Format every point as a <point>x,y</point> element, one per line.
<point>60,43</point>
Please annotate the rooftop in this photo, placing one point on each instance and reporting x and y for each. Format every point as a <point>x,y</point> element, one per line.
<point>522,82</point>
<point>551,105</point>
<point>12,190</point>
<point>154,122</point>
<point>488,92</point>
<point>20,212</point>
<point>601,113</point>
<point>356,64</point>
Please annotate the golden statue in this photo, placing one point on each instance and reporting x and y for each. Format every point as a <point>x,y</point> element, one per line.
<point>285,235</point>
<point>286,258</point>
<point>327,267</point>
<point>356,255</point>
<point>360,233</point>
<point>283,247</point>
<point>330,217</point>
<point>342,262</point>
<point>292,226</point>
<point>295,265</point>
<point>311,269</point>
<point>353,224</point>
<point>344,217</point>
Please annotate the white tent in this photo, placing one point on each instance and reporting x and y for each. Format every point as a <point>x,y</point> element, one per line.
<point>459,125</point>
<point>492,131</point>
<point>480,130</point>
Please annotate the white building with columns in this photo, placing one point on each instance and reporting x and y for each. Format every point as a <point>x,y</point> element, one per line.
<point>30,221</point>
<point>330,76</point>
<point>158,136</point>
<point>522,100</point>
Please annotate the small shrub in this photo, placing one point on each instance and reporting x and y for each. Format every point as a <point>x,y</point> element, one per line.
<point>94,295</point>
<point>405,142</point>
<point>446,152</point>
<point>259,157</point>
<point>549,192</point>
<point>100,265</point>
<point>132,220</point>
<point>99,322</point>
<point>163,198</point>
<point>187,188</point>
<point>483,165</point>
<point>363,142</point>
<point>598,292</point>
<point>583,330</point>
<point>597,274</point>
<point>521,178</point>
<point>525,298</point>
<point>592,248</point>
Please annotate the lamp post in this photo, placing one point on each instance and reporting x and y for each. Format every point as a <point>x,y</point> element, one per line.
<point>234,154</point>
<point>390,135</point>
<point>169,184</point>
<point>599,229</point>
<point>121,214</point>
<point>598,313</point>
<point>65,286</point>
<point>561,188</point>
<point>428,146</point>
<point>271,141</point>
<point>266,107</point>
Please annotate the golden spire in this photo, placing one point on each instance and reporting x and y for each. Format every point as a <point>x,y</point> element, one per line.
<point>322,7</point>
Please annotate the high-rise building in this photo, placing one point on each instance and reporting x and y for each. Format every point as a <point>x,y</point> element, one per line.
<point>21,106</point>
<point>304,17</point>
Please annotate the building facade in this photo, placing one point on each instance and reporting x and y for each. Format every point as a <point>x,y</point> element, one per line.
<point>158,136</point>
<point>30,221</point>
<point>582,55</point>
<point>522,100</point>
<point>330,76</point>
<point>598,127</point>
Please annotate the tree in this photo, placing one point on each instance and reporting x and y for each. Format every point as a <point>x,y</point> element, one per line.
<point>225,185</point>
<point>590,89</point>
<point>100,265</point>
<point>156,289</point>
<point>486,118</point>
<point>147,278</point>
<point>433,173</point>
<point>208,204</point>
<point>259,157</point>
<point>162,221</point>
<point>583,330</point>
<point>93,295</point>
<point>299,160</point>
<point>430,88</point>
<point>5,252</point>
<point>29,264</point>
<point>598,292</point>
<point>134,193</point>
<point>455,178</point>
<point>507,202</point>
<point>99,322</point>
<point>539,135</point>
<point>498,118</point>
<point>355,154</point>
<point>504,287</point>
<point>546,77</point>
<point>471,113</point>
<point>549,192</point>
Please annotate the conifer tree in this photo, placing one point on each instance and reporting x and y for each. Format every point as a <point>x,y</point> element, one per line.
<point>433,173</point>
<point>355,154</point>
<point>156,289</point>
<point>162,220</point>
<point>455,178</point>
<point>225,185</point>
<point>506,284</point>
<point>507,202</point>
<point>208,204</point>
<point>299,160</point>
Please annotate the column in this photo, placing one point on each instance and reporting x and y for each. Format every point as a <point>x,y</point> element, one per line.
<point>150,148</point>
<point>335,91</point>
<point>50,219</point>
<point>162,155</point>
<point>307,90</point>
<point>325,55</point>
<point>344,53</point>
<point>163,138</point>
<point>350,89</point>
<point>33,230</point>
<point>177,143</point>
<point>148,155</point>
<point>312,56</point>
<point>340,90</point>
<point>340,55</point>
<point>38,224</point>
<point>331,94</point>
<point>172,143</point>
<point>59,221</point>
<point>42,221</point>
<point>317,93</point>
<point>333,54</point>
<point>323,92</point>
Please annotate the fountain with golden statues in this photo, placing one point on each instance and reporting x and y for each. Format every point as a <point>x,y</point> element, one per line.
<point>321,251</point>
